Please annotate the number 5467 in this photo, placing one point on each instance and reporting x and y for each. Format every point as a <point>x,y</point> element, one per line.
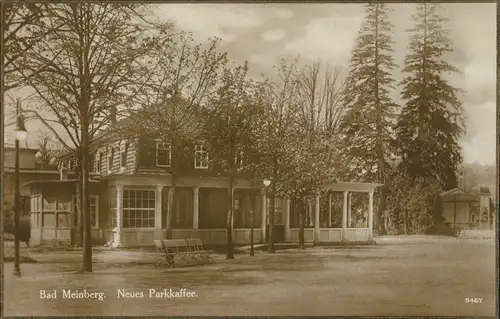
<point>473,300</point>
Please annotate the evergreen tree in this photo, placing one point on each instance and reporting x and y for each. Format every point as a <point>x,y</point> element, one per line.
<point>368,122</point>
<point>431,120</point>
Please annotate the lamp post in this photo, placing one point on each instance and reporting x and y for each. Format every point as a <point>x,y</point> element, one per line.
<point>21,135</point>
<point>266,183</point>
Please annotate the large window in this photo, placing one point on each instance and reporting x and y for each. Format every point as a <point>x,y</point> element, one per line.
<point>93,207</point>
<point>200,157</point>
<point>138,208</point>
<point>163,154</point>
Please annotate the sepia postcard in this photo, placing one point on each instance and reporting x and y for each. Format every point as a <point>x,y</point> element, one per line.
<point>249,159</point>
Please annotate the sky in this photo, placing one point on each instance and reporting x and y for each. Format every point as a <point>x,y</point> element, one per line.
<point>261,33</point>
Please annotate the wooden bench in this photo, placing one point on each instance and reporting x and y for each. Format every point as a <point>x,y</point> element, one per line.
<point>162,256</point>
<point>177,250</point>
<point>196,247</point>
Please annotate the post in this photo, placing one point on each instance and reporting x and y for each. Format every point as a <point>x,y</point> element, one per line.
<point>349,206</point>
<point>455,213</point>
<point>287,219</point>
<point>196,212</point>
<point>370,216</point>
<point>119,216</point>
<point>263,210</point>
<point>158,209</point>
<point>316,221</point>
<point>196,207</point>
<point>329,210</point>
<point>17,211</point>
<point>344,218</point>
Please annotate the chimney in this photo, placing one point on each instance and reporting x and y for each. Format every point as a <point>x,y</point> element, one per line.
<point>113,115</point>
<point>63,172</point>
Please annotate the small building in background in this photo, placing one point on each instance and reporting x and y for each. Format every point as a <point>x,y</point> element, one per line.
<point>468,210</point>
<point>28,171</point>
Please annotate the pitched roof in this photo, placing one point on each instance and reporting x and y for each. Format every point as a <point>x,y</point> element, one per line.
<point>475,191</point>
<point>155,120</point>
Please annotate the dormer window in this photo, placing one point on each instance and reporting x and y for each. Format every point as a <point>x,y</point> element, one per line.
<point>92,163</point>
<point>111,155</point>
<point>163,154</point>
<point>200,157</point>
<point>100,162</point>
<point>123,154</point>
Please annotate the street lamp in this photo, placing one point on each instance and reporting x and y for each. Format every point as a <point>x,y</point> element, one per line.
<point>266,183</point>
<point>21,135</point>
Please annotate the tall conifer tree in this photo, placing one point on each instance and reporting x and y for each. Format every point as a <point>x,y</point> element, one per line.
<point>431,120</point>
<point>368,123</point>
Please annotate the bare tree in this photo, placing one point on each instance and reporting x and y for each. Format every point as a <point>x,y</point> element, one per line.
<point>22,30</point>
<point>278,132</point>
<point>96,62</point>
<point>319,90</point>
<point>468,177</point>
<point>230,128</point>
<point>187,76</point>
<point>319,100</point>
<point>47,154</point>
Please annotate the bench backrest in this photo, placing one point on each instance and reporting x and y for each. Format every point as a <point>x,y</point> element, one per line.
<point>172,245</point>
<point>198,242</point>
<point>190,242</point>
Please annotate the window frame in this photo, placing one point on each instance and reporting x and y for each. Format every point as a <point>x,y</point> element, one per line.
<point>126,209</point>
<point>168,149</point>
<point>199,151</point>
<point>111,157</point>
<point>75,211</point>
<point>123,155</point>
<point>100,158</point>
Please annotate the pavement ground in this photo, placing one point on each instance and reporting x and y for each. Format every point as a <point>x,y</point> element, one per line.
<point>400,276</point>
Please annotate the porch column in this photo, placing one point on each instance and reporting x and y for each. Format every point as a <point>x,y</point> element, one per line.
<point>158,209</point>
<point>196,206</point>
<point>349,206</point>
<point>117,240</point>
<point>287,219</point>
<point>329,209</point>
<point>344,217</point>
<point>370,216</point>
<point>263,218</point>
<point>316,220</point>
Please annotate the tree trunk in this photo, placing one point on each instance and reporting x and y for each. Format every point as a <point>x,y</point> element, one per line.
<point>301,224</point>
<point>87,234</point>
<point>229,222</point>
<point>170,206</point>
<point>405,222</point>
<point>270,239</point>
<point>79,207</point>
<point>380,212</point>
<point>251,196</point>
